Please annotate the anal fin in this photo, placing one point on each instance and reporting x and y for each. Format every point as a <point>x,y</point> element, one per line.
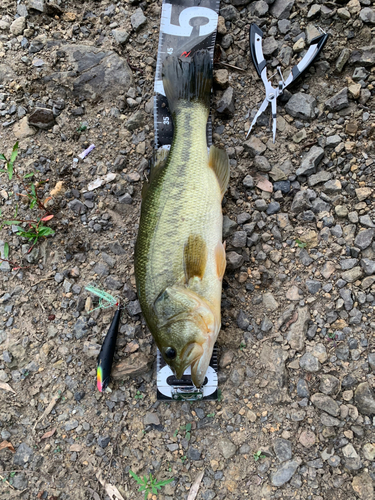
<point>219,162</point>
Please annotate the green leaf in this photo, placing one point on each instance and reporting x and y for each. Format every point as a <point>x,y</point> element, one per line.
<point>45,231</point>
<point>10,171</point>
<point>2,170</point>
<point>188,427</point>
<point>32,204</point>
<point>154,490</point>
<point>6,250</point>
<point>33,190</point>
<point>138,479</point>
<point>11,222</point>
<point>187,436</point>
<point>14,153</point>
<point>2,157</point>
<point>28,175</point>
<point>166,481</point>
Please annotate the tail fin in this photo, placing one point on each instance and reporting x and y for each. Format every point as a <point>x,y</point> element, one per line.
<point>188,81</point>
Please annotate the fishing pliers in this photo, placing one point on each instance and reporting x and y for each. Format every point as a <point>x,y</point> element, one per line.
<point>272,93</point>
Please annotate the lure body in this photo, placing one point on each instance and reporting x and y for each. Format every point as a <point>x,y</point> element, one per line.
<point>105,358</point>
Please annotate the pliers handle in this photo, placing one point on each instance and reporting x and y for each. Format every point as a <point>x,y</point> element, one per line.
<point>256,39</point>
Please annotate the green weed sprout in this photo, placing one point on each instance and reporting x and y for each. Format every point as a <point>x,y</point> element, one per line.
<point>149,484</point>
<point>258,455</point>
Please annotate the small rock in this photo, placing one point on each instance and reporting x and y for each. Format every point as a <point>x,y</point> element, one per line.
<point>136,364</point>
<point>23,455</point>
<point>307,438</point>
<point>338,101</point>
<point>227,448</point>
<point>270,302</point>
<point>364,398</point>
<point>151,418</point>
<point>309,363</point>
<point>138,19</point>
<point>283,449</point>
<point>42,118</point>
<point>225,105</point>
<point>286,471</point>
<point>363,484</point>
<point>329,384</point>
<point>325,403</point>
<point>254,146</point>
<point>301,106</point>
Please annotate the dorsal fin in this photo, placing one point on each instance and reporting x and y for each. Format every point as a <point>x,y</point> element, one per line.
<point>195,257</point>
<point>219,162</point>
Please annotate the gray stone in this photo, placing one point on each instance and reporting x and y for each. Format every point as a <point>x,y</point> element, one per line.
<point>23,455</point>
<point>20,481</point>
<point>77,206</point>
<point>364,238</point>
<point>342,59</point>
<point>338,101</point>
<point>297,333</point>
<point>234,260</point>
<point>261,163</point>
<point>352,274</point>
<point>348,264</point>
<point>121,36</point>
<point>137,120</point>
<point>368,266</point>
<point>371,360</point>
<point>269,302</point>
<point>151,418</point>
<point>301,202</point>
<point>313,286</point>
<point>270,46</point>
<point>101,269</point>
<point>98,72</point>
<point>134,308</point>
<point>367,15</point>
<point>229,226</point>
<point>325,403</point>
<point>259,8</point>
<point>304,257</point>
<point>248,182</point>
<point>364,399</point>
<point>363,56</point>
<point>80,327</point>
<point>329,421</point>
<point>138,19</point>
<point>42,118</point>
<point>18,25</point>
<point>254,146</point>
<point>227,448</point>
<point>193,454</point>
<point>103,441</point>
<point>273,208</point>
<point>112,283</point>
<point>301,106</point>
<point>302,388</point>
<point>285,472</point>
<point>242,320</point>
<point>318,178</point>
<point>329,384</point>
<point>70,425</point>
<point>346,296</point>
<point>225,105</point>
<point>239,239</point>
<point>366,221</point>
<point>229,13</point>
<point>310,161</point>
<point>309,363</point>
<point>333,141</point>
<point>36,5</point>
<point>283,449</point>
<point>281,9</point>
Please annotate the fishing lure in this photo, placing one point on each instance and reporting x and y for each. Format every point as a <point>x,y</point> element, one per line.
<point>105,358</point>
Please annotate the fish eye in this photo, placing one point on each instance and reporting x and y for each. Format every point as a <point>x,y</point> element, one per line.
<point>170,353</point>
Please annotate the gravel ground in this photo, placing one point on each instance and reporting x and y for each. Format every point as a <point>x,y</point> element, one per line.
<point>297,350</point>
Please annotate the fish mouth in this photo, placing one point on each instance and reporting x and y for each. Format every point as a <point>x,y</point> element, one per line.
<point>200,365</point>
<point>190,354</point>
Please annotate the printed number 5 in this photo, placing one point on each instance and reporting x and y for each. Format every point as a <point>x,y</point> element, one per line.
<point>184,28</point>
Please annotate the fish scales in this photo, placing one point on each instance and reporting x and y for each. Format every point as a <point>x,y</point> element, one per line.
<point>179,245</point>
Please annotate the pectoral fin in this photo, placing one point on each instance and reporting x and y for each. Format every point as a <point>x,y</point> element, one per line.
<point>195,257</point>
<point>220,260</point>
<point>219,162</point>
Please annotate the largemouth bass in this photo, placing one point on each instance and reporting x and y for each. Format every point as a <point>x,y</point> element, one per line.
<point>179,254</point>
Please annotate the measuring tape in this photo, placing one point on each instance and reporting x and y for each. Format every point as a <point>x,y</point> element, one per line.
<point>186,26</point>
